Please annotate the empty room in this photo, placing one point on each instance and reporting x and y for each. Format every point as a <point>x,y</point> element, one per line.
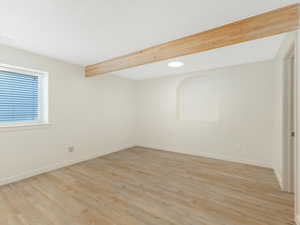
<point>127,112</point>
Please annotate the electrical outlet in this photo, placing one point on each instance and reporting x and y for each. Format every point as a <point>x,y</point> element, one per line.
<point>71,149</point>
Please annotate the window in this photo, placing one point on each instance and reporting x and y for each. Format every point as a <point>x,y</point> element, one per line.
<point>23,96</point>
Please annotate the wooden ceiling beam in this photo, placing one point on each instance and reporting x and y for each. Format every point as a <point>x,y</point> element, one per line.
<point>264,25</point>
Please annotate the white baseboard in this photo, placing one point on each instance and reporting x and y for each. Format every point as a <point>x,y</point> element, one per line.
<point>298,219</point>
<point>34,172</point>
<point>279,178</point>
<point>214,156</point>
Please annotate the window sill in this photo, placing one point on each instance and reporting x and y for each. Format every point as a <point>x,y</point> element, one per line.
<point>24,126</point>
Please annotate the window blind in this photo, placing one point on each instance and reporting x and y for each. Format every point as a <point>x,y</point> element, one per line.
<point>19,97</point>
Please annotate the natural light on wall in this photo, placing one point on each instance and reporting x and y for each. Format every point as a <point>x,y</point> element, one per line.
<point>23,96</point>
<point>198,100</point>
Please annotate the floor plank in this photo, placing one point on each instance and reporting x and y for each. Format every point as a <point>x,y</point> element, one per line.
<point>140,186</point>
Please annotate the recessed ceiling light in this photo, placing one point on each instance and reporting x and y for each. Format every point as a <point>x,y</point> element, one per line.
<point>175,64</point>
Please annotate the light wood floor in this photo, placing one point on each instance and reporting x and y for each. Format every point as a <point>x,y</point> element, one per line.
<point>148,187</point>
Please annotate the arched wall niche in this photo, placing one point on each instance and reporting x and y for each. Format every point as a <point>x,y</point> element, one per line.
<point>198,99</point>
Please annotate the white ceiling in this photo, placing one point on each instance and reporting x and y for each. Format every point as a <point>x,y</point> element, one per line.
<point>247,52</point>
<point>89,31</point>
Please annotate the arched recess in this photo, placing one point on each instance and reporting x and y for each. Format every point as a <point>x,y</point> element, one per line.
<point>198,99</point>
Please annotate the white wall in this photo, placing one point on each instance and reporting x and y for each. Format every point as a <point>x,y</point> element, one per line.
<point>298,130</point>
<point>248,124</point>
<point>95,115</point>
<point>291,39</point>
<point>278,155</point>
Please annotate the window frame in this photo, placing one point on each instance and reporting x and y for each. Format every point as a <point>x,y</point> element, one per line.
<point>42,95</point>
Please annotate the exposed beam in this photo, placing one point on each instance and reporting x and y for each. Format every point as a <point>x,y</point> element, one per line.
<point>260,26</point>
